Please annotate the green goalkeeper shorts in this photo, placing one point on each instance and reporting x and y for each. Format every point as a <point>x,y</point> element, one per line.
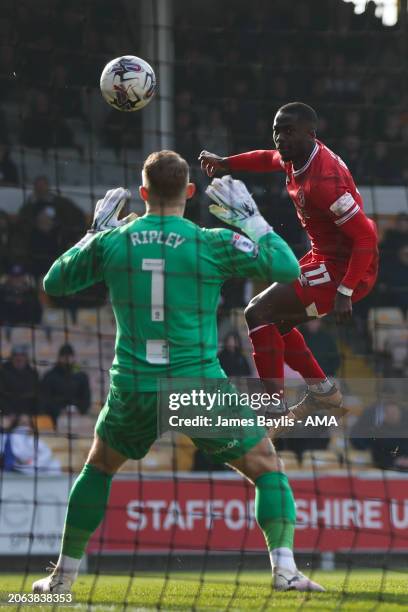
<point>128,424</point>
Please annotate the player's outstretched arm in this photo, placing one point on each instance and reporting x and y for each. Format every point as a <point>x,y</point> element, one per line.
<point>252,161</point>
<point>81,266</point>
<point>266,255</point>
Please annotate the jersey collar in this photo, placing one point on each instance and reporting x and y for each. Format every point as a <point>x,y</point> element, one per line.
<point>309,161</point>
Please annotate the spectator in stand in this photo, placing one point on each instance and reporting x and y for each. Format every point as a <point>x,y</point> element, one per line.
<point>65,388</point>
<point>395,237</point>
<point>381,96</point>
<point>353,123</point>
<point>380,166</point>
<point>44,126</point>
<point>69,219</point>
<point>232,296</point>
<point>323,345</point>
<point>70,27</point>
<point>19,384</point>
<point>232,359</point>
<point>392,132</point>
<point>393,279</point>
<point>19,302</point>
<point>185,102</point>
<point>279,90</point>
<point>5,242</point>
<point>350,151</point>
<point>21,450</point>
<point>341,83</point>
<point>369,18</point>
<point>4,135</point>
<point>44,242</point>
<point>69,106</point>
<point>8,169</point>
<point>245,111</point>
<point>186,137</point>
<point>7,66</point>
<point>121,131</point>
<point>213,134</point>
<point>344,17</point>
<point>404,174</point>
<point>380,429</point>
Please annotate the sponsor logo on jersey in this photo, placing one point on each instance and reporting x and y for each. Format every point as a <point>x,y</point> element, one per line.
<point>245,245</point>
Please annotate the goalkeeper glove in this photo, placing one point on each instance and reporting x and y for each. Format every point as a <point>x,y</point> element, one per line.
<point>235,206</point>
<point>108,210</point>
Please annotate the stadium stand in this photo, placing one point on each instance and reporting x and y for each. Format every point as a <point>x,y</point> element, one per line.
<point>212,42</point>
<point>233,69</point>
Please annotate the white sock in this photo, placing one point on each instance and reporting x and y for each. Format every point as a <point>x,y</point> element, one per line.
<point>68,565</point>
<point>322,387</point>
<point>283,558</point>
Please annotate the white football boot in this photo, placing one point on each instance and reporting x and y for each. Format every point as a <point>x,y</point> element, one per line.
<point>312,403</point>
<point>286,580</point>
<point>331,403</point>
<point>56,582</point>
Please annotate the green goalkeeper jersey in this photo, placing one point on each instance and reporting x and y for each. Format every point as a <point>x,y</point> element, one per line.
<point>164,276</point>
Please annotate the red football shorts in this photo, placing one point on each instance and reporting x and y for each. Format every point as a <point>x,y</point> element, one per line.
<point>319,278</point>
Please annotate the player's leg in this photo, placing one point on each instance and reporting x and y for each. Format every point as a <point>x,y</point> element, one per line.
<point>275,513</point>
<point>296,349</point>
<point>271,317</point>
<point>87,504</point>
<point>248,450</point>
<point>126,428</point>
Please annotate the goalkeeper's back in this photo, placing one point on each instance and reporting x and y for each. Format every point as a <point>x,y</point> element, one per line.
<point>164,276</point>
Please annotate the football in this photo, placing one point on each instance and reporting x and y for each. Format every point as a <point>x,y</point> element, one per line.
<point>128,83</point>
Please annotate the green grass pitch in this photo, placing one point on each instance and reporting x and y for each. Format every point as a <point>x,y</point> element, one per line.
<point>217,591</point>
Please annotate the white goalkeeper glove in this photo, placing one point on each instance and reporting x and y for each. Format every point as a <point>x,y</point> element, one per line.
<point>108,210</point>
<point>106,214</point>
<point>235,206</point>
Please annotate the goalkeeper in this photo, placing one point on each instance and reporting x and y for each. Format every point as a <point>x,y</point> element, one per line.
<point>164,275</point>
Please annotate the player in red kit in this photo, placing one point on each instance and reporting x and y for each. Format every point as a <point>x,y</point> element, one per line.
<point>340,268</point>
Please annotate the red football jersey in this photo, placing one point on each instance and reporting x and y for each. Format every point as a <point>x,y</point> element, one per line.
<point>328,204</point>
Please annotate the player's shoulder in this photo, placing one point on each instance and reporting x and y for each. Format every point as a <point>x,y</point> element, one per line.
<point>229,241</point>
<point>221,241</point>
<point>330,163</point>
<point>110,236</point>
<point>107,240</point>
<point>147,223</point>
<point>216,235</point>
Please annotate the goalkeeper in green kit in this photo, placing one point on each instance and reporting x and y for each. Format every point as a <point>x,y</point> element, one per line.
<point>164,276</point>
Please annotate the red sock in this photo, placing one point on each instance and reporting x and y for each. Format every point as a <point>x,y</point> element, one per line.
<point>300,358</point>
<point>269,355</point>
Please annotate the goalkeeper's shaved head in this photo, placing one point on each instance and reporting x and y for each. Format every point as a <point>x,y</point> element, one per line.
<point>165,174</point>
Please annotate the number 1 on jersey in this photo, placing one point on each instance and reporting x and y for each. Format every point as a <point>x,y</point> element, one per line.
<point>156,267</point>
